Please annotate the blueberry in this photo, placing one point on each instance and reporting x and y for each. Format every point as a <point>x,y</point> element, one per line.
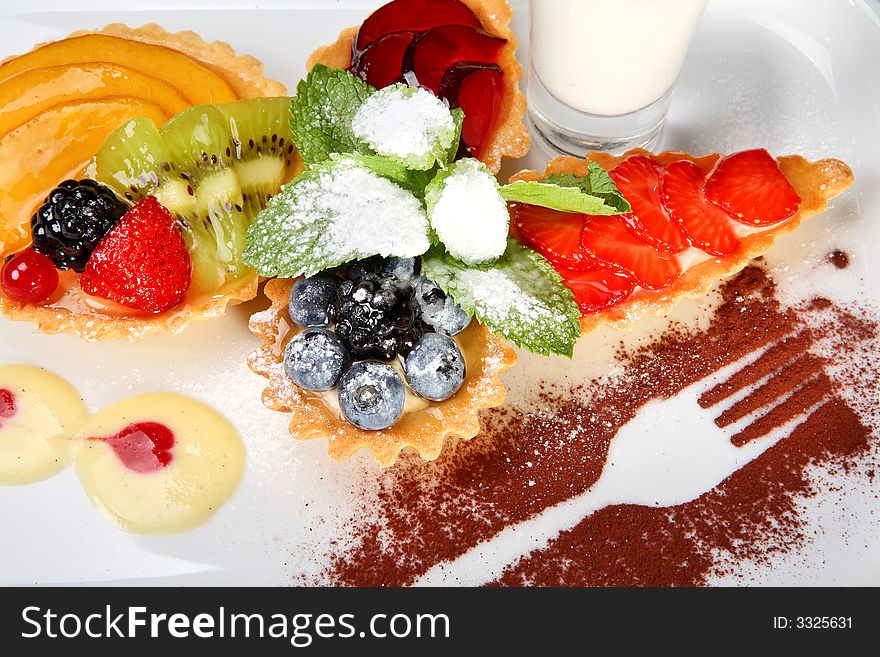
<point>315,359</point>
<point>401,268</point>
<point>360,268</point>
<point>437,309</point>
<point>371,395</point>
<point>435,367</point>
<point>311,300</point>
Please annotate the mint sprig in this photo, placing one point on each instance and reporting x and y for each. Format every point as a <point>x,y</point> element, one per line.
<point>409,124</point>
<point>519,296</point>
<point>365,192</point>
<point>594,193</point>
<point>458,117</point>
<point>322,111</point>
<point>597,182</point>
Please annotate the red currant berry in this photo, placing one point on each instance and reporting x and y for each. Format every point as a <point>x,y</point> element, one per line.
<point>29,277</point>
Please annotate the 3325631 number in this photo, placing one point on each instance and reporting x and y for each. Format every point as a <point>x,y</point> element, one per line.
<point>823,622</point>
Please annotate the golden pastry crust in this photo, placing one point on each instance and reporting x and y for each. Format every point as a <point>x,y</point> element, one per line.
<point>91,325</point>
<point>815,182</point>
<point>510,138</point>
<point>424,430</point>
<point>245,75</point>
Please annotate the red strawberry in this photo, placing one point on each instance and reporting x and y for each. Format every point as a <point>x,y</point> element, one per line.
<point>707,226</point>
<point>142,263</point>
<point>750,187</point>
<point>598,289</point>
<point>609,240</point>
<point>555,235</point>
<point>638,179</point>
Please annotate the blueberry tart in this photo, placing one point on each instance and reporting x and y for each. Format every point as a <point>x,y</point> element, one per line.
<point>386,388</point>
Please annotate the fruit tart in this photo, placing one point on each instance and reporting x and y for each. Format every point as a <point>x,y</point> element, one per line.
<point>131,172</point>
<point>396,283</point>
<point>462,50</point>
<point>693,220</point>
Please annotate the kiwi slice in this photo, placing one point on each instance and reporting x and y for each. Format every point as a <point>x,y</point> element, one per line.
<point>262,147</point>
<point>135,162</point>
<point>198,142</point>
<point>213,166</point>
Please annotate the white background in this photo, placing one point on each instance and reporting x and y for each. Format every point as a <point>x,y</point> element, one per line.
<point>795,76</point>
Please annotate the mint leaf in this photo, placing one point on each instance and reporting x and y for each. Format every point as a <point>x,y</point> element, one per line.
<point>520,296</point>
<point>393,169</point>
<point>322,111</point>
<point>594,193</point>
<point>332,214</point>
<point>406,123</point>
<point>597,182</point>
<point>458,117</point>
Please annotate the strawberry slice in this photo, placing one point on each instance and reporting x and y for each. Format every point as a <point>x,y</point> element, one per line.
<point>707,226</point>
<point>598,289</point>
<point>638,179</point>
<point>610,240</point>
<point>555,235</point>
<point>750,187</point>
<point>142,263</point>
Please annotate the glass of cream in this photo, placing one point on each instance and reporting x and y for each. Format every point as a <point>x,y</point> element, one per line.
<point>601,72</point>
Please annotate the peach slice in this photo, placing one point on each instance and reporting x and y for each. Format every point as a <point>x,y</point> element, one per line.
<point>201,85</point>
<point>32,92</point>
<point>54,146</point>
<point>158,463</point>
<point>39,411</point>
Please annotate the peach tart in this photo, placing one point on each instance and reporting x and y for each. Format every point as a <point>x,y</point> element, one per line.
<point>96,124</point>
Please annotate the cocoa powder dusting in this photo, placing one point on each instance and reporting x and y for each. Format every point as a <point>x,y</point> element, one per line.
<point>805,368</point>
<point>750,515</point>
<point>839,259</point>
<point>525,461</point>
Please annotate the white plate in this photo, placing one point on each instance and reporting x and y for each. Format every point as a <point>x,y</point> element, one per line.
<point>794,76</point>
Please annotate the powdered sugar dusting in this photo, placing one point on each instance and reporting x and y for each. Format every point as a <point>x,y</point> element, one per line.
<point>469,215</point>
<point>343,213</point>
<point>405,122</point>
<point>500,299</point>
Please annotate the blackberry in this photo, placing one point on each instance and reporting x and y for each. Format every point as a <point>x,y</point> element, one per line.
<point>375,318</point>
<point>401,268</point>
<point>72,220</point>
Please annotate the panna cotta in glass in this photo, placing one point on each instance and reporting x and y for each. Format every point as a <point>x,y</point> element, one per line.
<point>601,72</point>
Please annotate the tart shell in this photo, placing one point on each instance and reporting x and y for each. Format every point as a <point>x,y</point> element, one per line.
<point>245,75</point>
<point>509,138</point>
<point>423,430</point>
<point>815,182</point>
<point>243,72</point>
